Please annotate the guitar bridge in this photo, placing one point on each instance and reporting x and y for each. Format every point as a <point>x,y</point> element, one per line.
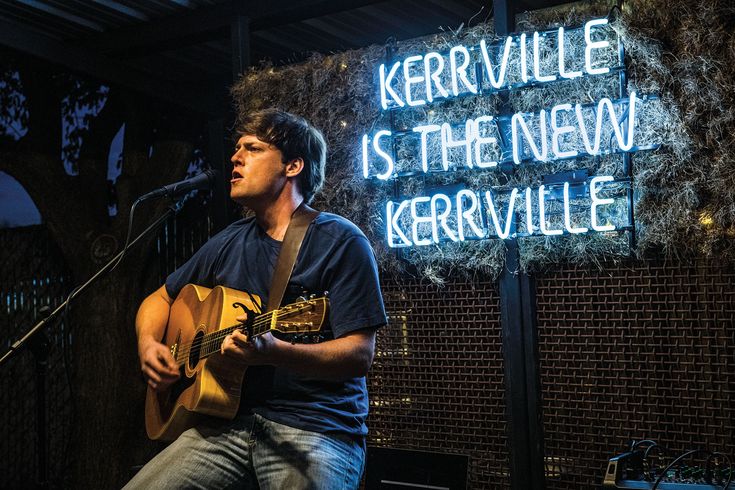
<point>175,347</point>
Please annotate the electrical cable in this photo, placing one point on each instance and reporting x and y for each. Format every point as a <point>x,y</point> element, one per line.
<point>729,466</point>
<point>674,462</point>
<point>647,467</point>
<point>634,444</point>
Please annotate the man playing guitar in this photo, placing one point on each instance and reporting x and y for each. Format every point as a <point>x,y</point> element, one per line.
<point>301,421</point>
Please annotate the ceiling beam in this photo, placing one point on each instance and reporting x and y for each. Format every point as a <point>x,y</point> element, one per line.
<point>106,70</point>
<point>206,24</point>
<point>526,5</point>
<point>194,27</point>
<point>283,12</point>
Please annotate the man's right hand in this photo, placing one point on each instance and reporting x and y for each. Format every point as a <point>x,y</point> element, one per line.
<point>157,364</point>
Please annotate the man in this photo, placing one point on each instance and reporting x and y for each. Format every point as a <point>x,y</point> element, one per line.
<point>302,416</point>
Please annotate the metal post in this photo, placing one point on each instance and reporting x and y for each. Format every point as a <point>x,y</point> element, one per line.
<point>504,17</point>
<point>240,37</point>
<point>627,157</point>
<point>240,42</point>
<point>520,340</point>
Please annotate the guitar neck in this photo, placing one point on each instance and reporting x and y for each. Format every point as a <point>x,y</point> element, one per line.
<point>211,343</point>
<point>302,317</point>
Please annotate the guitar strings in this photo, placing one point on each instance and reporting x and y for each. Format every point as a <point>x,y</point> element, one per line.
<point>214,339</point>
<point>208,341</point>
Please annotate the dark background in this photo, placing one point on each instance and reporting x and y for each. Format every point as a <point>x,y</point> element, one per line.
<point>635,349</point>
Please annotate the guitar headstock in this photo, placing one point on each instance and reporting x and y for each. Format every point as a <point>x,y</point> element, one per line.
<point>304,316</point>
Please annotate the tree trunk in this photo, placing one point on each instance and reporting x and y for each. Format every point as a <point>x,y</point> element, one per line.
<point>108,427</point>
<point>110,432</point>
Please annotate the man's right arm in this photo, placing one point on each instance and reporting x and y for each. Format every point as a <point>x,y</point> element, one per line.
<point>156,362</point>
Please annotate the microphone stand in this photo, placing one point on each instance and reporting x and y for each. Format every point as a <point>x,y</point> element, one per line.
<point>38,343</point>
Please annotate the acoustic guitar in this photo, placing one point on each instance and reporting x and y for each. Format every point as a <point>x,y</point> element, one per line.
<point>211,383</point>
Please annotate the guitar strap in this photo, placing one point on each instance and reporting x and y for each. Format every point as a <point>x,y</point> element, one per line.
<point>300,221</point>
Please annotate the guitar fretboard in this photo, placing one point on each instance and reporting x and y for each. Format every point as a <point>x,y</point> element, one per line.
<point>211,343</point>
<point>206,345</point>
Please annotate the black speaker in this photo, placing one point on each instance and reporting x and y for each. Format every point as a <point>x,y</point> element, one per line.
<point>403,469</point>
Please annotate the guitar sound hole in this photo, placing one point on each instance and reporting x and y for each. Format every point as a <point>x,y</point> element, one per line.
<point>196,349</point>
<point>178,388</point>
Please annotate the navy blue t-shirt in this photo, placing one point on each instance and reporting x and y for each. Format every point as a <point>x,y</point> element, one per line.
<point>335,257</point>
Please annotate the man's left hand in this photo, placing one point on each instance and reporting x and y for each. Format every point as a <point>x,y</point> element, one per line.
<point>253,352</point>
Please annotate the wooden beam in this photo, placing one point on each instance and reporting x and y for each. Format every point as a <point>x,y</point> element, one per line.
<point>108,71</point>
<point>527,5</point>
<point>240,40</point>
<point>206,24</point>
<point>282,12</point>
<point>198,26</point>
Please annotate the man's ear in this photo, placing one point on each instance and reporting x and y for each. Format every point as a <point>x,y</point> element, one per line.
<point>294,167</point>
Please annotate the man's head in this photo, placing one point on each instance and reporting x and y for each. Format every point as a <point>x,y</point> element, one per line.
<point>295,138</point>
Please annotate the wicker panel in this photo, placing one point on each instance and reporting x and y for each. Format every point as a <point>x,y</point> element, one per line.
<point>437,380</point>
<point>642,350</point>
<point>638,351</point>
<point>31,276</point>
<point>182,235</point>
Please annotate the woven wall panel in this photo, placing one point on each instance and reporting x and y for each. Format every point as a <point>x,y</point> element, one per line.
<point>181,236</point>
<point>437,380</point>
<point>31,276</point>
<point>641,350</point>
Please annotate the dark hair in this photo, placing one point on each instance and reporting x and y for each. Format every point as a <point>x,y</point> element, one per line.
<point>295,138</point>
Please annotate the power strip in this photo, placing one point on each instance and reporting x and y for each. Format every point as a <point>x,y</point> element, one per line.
<point>628,470</point>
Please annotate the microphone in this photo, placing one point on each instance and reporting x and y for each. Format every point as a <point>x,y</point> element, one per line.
<point>202,181</point>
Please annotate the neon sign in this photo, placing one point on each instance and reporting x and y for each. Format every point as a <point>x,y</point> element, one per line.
<point>563,132</point>
<point>483,142</point>
<point>473,215</point>
<point>432,76</point>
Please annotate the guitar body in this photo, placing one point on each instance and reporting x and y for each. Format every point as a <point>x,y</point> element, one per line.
<point>209,385</point>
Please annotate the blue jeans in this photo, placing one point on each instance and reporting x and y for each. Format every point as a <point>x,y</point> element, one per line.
<point>253,452</point>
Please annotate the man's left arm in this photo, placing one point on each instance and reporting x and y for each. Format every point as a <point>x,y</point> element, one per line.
<point>349,356</point>
<point>356,311</point>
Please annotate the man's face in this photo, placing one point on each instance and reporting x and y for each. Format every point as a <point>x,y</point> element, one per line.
<point>259,174</point>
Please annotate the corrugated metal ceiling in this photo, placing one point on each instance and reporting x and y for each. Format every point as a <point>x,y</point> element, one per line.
<point>66,20</point>
<point>188,43</point>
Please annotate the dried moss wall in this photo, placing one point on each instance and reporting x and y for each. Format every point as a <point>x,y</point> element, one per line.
<point>681,51</point>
